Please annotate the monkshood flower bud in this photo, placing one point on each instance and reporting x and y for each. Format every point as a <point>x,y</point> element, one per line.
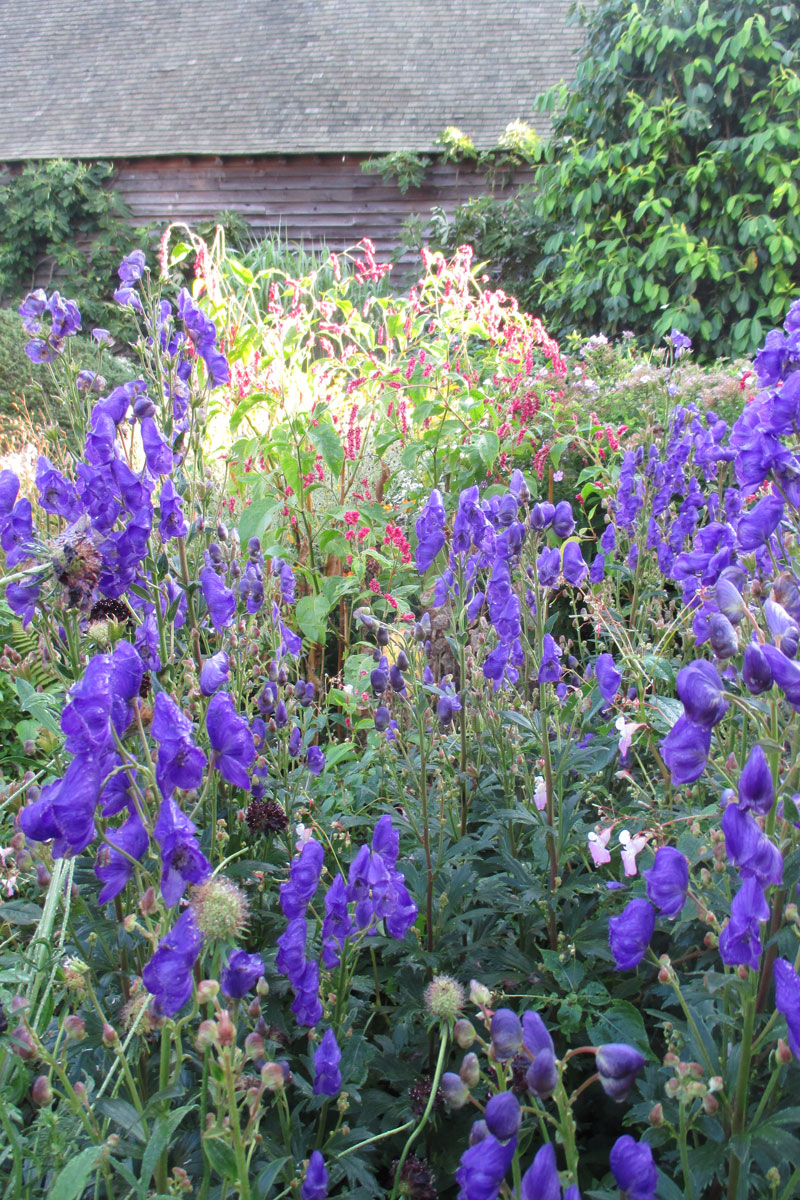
<point>749,848</point>
<point>470,1071</point>
<point>756,671</point>
<point>722,636</point>
<point>327,1076</point>
<point>541,1181</point>
<point>455,1091</point>
<point>755,788</point>
<point>784,629</point>
<point>756,526</point>
<point>573,567</point>
<point>542,515</point>
<point>483,1168</point>
<point>563,520</point>
<point>315,760</point>
<point>728,594</point>
<point>518,487</point>
<point>379,680</point>
<point>478,1132</point>
<point>295,741</point>
<point>787,1000</point>
<point>618,1064</point>
<point>464,1033</point>
<point>503,1116</point>
<point>629,933</point>
<point>444,710</point>
<point>315,1184</point>
<point>785,591</point>
<point>550,667</point>
<point>607,676</point>
<point>685,750</point>
<point>430,531</point>
<point>700,689</point>
<point>541,1078</point>
<point>382,718</point>
<point>740,940</point>
<point>214,673</point>
<point>668,881</point>
<point>241,974</point>
<point>633,1168</point>
<point>506,1034</point>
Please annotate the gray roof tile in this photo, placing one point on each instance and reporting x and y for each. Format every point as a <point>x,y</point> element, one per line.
<point>120,78</point>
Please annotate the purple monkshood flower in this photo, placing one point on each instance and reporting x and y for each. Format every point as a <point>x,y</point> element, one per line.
<point>315,1184</point>
<point>307,1006</point>
<point>756,791</point>
<point>668,881</point>
<point>231,741</point>
<point>182,860</point>
<point>506,1033</point>
<point>214,673</point>
<point>573,567</point>
<point>700,690</point>
<point>315,760</point>
<point>541,1181</point>
<point>430,531</point>
<point>172,523</point>
<point>756,526</point>
<point>629,933</point>
<point>785,673</point>
<point>618,1064</point>
<point>633,1168</point>
<point>503,1116</point>
<point>168,976</point>
<point>542,1075</point>
<point>114,866</point>
<point>563,521</point>
<point>180,763</point>
<point>749,848</point>
<point>291,957</point>
<point>787,1000</point>
<point>483,1168</point>
<point>550,667</point>
<point>219,598</point>
<point>608,677</point>
<point>337,926</point>
<point>740,940</point>
<point>241,974</point>
<point>685,750</point>
<point>131,268</point>
<point>722,636</point>
<point>303,880</point>
<point>156,451</point>
<point>548,566</point>
<point>327,1076</point>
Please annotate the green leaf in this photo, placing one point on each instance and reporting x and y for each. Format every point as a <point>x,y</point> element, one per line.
<point>20,912</point>
<point>487,445</point>
<point>622,1024</point>
<point>327,442</point>
<point>311,614</point>
<point>257,518</point>
<point>73,1178</point>
<point>163,1129</point>
<point>267,1177</point>
<point>221,1157</point>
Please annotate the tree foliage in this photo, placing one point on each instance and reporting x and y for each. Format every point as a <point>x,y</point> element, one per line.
<point>667,193</point>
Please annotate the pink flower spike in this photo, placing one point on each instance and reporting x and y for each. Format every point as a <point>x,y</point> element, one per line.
<point>626,732</point>
<point>597,847</point>
<point>630,848</point>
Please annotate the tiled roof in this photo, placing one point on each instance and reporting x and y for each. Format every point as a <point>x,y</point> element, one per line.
<point>122,78</point>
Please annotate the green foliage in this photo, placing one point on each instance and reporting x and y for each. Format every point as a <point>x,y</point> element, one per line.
<point>25,387</point>
<point>66,217</point>
<point>516,147</point>
<point>403,167</point>
<point>667,193</point>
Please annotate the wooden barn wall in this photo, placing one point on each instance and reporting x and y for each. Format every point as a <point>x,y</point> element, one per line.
<point>317,200</point>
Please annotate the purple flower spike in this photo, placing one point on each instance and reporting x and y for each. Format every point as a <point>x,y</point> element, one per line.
<point>327,1076</point>
<point>231,741</point>
<point>315,1184</point>
<point>700,689</point>
<point>214,673</point>
<point>180,763</point>
<point>503,1116</point>
<point>633,1168</point>
<point>540,1181</point>
<point>506,1033</point>
<point>168,975</point>
<point>608,677</point>
<point>787,1000</point>
<point>241,974</point>
<point>430,531</point>
<point>629,934</point>
<point>756,792</point>
<point>668,881</point>
<point>740,940</point>
<point>483,1168</point>
<point>685,750</point>
<point>182,860</point>
<point>618,1064</point>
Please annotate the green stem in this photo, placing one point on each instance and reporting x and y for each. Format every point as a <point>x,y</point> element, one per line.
<point>740,1100</point>
<point>428,1110</point>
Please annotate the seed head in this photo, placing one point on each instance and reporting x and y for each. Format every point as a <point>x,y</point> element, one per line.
<point>444,998</point>
<point>220,908</point>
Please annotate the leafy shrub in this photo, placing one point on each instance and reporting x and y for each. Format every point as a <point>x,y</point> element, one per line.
<point>667,193</point>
